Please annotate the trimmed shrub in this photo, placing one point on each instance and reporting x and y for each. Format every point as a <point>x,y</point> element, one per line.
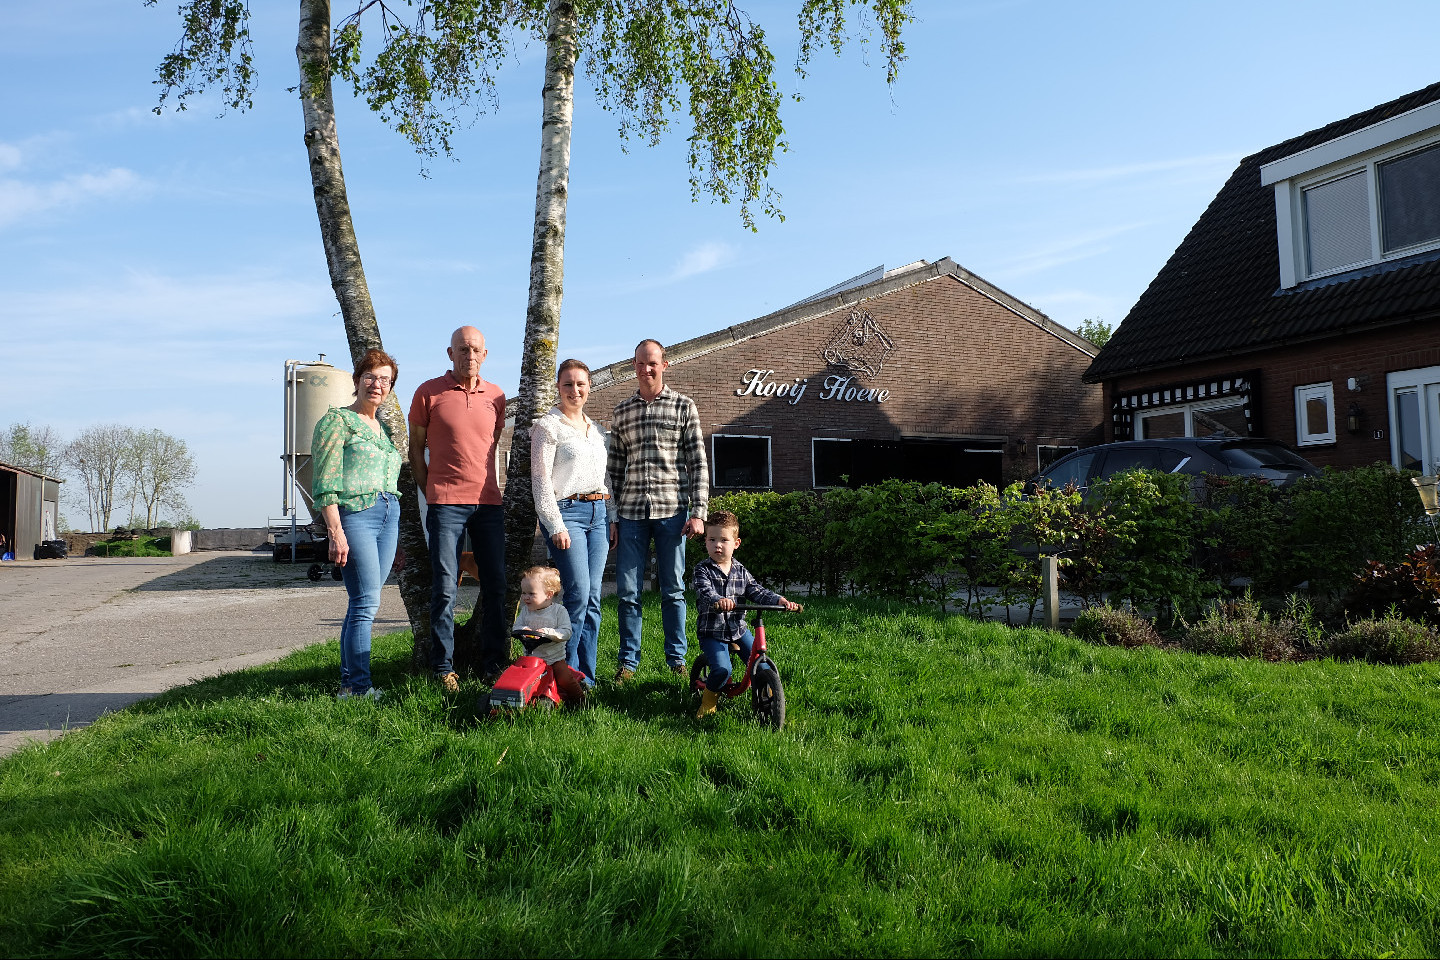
<point>1241,628</point>
<point>1388,639</point>
<point>1113,627</point>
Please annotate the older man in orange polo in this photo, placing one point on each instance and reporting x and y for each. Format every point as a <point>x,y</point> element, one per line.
<point>458,417</point>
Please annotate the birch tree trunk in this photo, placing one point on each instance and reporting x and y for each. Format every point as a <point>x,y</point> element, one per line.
<point>347,277</point>
<point>547,282</point>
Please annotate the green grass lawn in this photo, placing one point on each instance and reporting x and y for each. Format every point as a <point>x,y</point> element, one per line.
<point>942,787</point>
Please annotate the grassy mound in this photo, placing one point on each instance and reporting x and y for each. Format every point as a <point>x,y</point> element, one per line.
<point>941,787</point>
<point>139,547</point>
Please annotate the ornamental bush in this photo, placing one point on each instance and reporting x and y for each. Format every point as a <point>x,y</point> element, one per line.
<point>1388,639</point>
<point>1114,627</point>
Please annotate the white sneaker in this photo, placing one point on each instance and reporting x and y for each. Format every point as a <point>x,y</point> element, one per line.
<point>373,694</point>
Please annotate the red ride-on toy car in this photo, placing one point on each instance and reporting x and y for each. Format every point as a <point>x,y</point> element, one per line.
<point>530,681</point>
<point>761,677</point>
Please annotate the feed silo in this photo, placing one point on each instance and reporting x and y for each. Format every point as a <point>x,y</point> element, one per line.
<point>311,388</point>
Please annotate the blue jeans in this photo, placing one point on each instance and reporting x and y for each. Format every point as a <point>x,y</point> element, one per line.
<point>717,653</point>
<point>581,569</point>
<point>635,537</point>
<point>445,526</point>
<point>372,534</point>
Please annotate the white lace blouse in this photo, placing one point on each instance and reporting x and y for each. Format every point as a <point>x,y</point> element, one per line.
<point>564,461</point>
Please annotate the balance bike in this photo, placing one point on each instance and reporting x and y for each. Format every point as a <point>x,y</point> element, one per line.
<point>760,677</point>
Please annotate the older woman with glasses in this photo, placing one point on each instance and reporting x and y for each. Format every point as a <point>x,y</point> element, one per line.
<point>567,477</point>
<point>357,469</point>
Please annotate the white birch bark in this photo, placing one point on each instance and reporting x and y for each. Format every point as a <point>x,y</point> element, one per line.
<point>547,282</point>
<point>347,277</point>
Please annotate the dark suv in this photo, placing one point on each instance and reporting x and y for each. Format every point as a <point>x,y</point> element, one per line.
<point>1189,455</point>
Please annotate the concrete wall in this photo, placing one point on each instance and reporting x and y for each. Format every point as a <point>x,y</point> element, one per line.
<point>231,538</point>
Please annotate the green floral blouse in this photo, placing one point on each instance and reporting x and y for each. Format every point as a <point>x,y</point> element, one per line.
<point>352,464</point>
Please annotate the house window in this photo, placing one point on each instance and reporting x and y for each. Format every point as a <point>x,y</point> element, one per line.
<point>832,461</point>
<point>1415,418</point>
<point>1410,199</point>
<point>1363,198</point>
<point>1337,223</point>
<point>1314,414</point>
<point>1046,453</point>
<point>1225,417</point>
<point>740,461</point>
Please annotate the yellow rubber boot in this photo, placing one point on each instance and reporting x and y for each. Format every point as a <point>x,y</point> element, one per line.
<point>708,702</point>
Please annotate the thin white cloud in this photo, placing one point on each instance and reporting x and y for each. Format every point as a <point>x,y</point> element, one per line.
<point>1066,250</point>
<point>703,259</point>
<point>1206,162</point>
<point>20,199</point>
<point>9,156</point>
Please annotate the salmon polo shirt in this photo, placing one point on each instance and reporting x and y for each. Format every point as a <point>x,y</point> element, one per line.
<point>462,428</point>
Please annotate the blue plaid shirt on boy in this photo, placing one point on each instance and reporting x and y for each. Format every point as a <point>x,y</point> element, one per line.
<point>713,585</point>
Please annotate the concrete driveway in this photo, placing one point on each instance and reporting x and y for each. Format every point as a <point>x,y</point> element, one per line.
<point>88,635</point>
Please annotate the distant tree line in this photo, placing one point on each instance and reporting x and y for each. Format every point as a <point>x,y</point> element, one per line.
<point>113,465</point>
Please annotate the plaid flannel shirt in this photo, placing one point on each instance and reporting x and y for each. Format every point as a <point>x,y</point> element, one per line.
<point>656,466</point>
<point>713,585</point>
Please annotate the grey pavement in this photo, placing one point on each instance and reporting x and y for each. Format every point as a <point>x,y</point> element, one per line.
<point>87,635</point>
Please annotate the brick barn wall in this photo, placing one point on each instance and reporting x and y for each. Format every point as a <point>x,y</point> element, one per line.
<point>1369,356</point>
<point>963,366</point>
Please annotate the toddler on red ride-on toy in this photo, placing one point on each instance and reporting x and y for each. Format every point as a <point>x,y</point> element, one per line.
<point>721,580</point>
<point>543,626</point>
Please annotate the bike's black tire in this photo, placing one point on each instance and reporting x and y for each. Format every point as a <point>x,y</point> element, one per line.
<point>767,696</point>
<point>315,572</point>
<point>699,671</point>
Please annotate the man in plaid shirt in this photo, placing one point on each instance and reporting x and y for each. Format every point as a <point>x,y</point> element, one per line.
<point>657,475</point>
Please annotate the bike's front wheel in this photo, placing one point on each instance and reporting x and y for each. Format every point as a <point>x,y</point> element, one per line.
<point>767,696</point>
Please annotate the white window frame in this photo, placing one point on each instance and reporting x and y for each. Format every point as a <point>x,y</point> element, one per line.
<point>1189,410</point>
<point>814,481</point>
<point>1363,149</point>
<point>1416,380</point>
<point>1068,449</point>
<point>1303,395</point>
<point>769,461</point>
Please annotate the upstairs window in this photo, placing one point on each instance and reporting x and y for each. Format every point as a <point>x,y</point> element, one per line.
<point>1337,223</point>
<point>1365,197</point>
<point>1410,199</point>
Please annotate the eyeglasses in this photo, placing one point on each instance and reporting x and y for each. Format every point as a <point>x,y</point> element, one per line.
<point>382,381</point>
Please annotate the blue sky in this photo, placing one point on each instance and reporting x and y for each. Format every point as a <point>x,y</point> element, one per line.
<point>157,271</point>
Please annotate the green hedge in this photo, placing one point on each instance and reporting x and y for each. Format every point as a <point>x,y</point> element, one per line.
<point>1155,539</point>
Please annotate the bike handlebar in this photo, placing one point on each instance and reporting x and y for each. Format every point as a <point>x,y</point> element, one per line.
<point>760,606</point>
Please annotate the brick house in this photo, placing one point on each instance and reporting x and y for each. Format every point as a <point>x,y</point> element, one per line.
<point>924,372</point>
<point>1302,305</point>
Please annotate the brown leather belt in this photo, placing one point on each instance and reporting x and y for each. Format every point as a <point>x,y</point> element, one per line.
<point>588,497</point>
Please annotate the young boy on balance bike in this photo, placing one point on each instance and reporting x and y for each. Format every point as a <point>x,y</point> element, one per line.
<point>721,580</point>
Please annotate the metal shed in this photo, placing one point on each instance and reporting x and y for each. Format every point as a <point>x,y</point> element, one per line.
<point>29,508</point>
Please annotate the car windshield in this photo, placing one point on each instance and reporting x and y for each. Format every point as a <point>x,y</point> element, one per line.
<point>1251,456</point>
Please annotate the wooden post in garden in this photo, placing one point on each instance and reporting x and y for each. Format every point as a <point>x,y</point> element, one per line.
<point>1050,591</point>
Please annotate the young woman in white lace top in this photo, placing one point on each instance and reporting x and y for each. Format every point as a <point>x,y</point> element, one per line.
<point>567,476</point>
